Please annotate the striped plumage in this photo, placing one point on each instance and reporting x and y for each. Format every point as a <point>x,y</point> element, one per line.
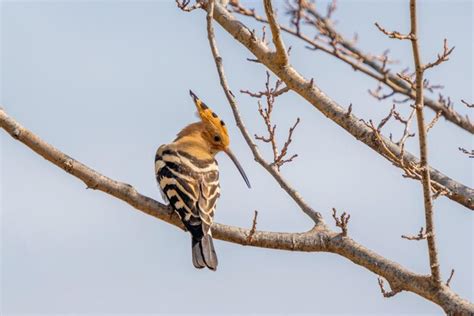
<point>191,186</point>
<point>188,176</point>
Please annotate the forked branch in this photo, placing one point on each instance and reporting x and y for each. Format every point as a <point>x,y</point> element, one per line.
<point>329,41</point>
<point>444,56</point>
<point>393,34</point>
<point>270,94</point>
<point>281,54</point>
<point>351,123</point>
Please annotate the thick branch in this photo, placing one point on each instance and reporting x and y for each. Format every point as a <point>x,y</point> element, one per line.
<point>423,142</point>
<point>314,240</point>
<point>354,57</point>
<point>396,83</point>
<point>281,55</point>
<point>456,191</point>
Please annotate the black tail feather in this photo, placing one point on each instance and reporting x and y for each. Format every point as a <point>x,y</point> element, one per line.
<point>204,254</point>
<point>198,260</point>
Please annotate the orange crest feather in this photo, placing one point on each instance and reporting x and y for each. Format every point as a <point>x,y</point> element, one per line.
<point>211,119</point>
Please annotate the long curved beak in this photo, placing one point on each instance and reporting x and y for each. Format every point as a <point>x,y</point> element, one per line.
<point>237,164</point>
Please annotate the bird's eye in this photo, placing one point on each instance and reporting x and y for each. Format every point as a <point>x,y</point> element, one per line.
<point>217,139</point>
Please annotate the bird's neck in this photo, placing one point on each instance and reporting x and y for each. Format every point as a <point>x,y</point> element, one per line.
<point>192,141</point>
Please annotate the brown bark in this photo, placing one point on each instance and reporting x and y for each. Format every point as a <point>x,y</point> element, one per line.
<point>311,93</point>
<point>315,240</point>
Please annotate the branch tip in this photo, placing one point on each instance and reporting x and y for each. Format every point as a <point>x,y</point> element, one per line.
<point>394,34</point>
<point>341,221</point>
<point>421,235</point>
<point>387,294</point>
<point>448,282</point>
<point>253,229</point>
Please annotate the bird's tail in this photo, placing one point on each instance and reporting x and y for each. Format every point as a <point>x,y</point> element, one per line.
<point>204,254</point>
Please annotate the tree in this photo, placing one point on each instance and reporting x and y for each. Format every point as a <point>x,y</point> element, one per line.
<point>321,237</point>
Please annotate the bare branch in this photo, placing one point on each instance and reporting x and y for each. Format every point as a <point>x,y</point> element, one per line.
<point>183,5</point>
<point>349,110</point>
<point>441,57</point>
<point>254,60</point>
<point>423,143</point>
<point>270,95</point>
<point>421,235</point>
<point>376,93</point>
<point>341,221</point>
<point>308,210</point>
<point>401,101</point>
<point>352,124</point>
<point>254,227</point>
<point>471,105</point>
<point>448,282</point>
<point>467,152</point>
<point>280,160</point>
<point>407,79</point>
<point>394,34</point>
<point>385,293</point>
<point>331,9</point>
<point>345,51</point>
<point>386,119</point>
<point>406,130</point>
<point>431,87</point>
<point>433,121</point>
<point>281,55</point>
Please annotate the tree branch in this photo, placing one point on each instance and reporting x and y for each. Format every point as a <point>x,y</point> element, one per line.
<point>423,142</point>
<point>270,94</point>
<point>444,56</point>
<point>309,91</point>
<point>281,55</point>
<point>356,59</point>
<point>311,241</point>
<point>308,210</point>
<point>394,34</point>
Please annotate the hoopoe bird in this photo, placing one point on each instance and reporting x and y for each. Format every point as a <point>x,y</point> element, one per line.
<point>188,175</point>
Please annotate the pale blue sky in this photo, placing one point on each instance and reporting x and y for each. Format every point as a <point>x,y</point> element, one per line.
<point>106,82</point>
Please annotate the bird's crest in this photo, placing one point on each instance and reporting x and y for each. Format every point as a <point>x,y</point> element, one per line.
<point>211,119</point>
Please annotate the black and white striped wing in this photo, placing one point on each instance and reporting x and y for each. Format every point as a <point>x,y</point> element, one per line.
<point>191,186</point>
<point>209,193</point>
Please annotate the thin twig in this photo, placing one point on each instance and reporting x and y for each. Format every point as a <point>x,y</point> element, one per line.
<point>469,105</point>
<point>385,293</point>
<point>441,57</point>
<point>433,121</point>
<point>341,221</point>
<point>470,153</point>
<point>448,282</point>
<point>183,5</point>
<point>421,235</point>
<point>394,34</point>
<point>280,160</point>
<point>254,227</point>
<point>270,94</point>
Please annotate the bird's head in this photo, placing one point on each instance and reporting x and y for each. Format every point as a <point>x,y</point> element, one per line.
<point>215,133</point>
